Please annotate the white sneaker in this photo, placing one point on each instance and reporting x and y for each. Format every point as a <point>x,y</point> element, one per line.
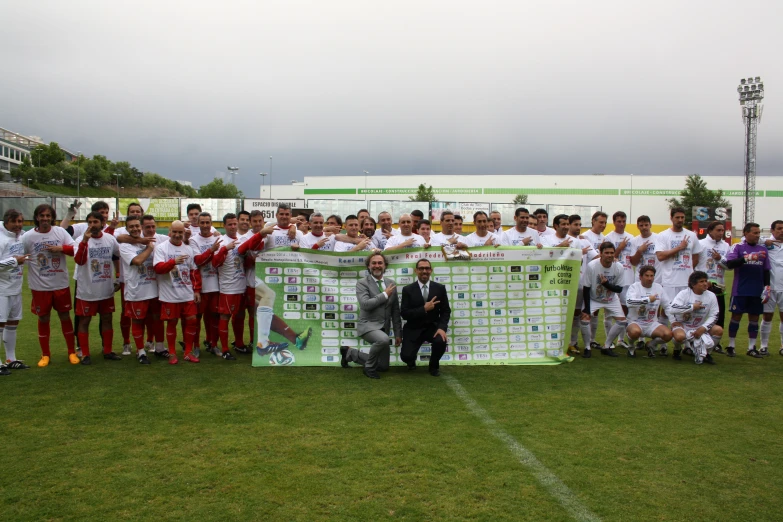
<point>79,353</point>
<point>148,346</point>
<point>126,349</point>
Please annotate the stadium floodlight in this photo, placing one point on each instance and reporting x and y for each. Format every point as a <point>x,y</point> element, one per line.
<point>232,171</point>
<point>751,92</point>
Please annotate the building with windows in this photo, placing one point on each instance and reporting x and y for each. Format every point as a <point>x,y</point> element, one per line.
<point>14,147</point>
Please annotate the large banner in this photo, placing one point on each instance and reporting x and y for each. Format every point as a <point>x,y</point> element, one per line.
<point>164,209</point>
<point>509,305</point>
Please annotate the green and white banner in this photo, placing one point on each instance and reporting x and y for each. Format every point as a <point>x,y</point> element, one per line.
<point>509,305</point>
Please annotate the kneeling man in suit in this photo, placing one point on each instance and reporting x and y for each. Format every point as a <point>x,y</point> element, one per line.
<point>425,307</point>
<point>379,308</point>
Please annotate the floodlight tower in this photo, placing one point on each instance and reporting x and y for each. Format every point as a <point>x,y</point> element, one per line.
<point>751,92</point>
<point>233,173</point>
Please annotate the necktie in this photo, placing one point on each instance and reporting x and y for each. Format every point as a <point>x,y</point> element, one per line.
<point>425,293</point>
<point>380,285</point>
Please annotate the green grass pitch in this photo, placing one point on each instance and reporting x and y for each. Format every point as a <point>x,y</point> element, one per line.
<point>632,439</point>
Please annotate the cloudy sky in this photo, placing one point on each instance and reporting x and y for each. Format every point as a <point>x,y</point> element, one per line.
<point>406,87</point>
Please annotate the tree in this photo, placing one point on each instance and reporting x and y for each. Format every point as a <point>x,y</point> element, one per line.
<point>520,199</point>
<point>696,194</point>
<point>424,193</point>
<point>217,189</point>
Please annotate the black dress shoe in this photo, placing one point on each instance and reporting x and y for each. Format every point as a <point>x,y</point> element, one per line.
<point>372,375</point>
<point>411,366</point>
<point>111,356</point>
<point>344,357</point>
<point>435,373</point>
<point>587,354</point>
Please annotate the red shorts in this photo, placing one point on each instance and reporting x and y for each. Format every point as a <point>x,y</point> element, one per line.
<point>140,309</point>
<point>91,308</point>
<point>250,297</point>
<point>231,304</point>
<point>44,300</point>
<point>209,303</point>
<point>169,311</point>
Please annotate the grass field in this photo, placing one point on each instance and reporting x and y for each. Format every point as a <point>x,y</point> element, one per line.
<point>613,439</point>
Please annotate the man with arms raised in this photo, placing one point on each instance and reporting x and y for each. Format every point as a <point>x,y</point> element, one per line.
<point>141,286</point>
<point>204,245</point>
<point>179,287</point>
<point>406,238</point>
<point>47,277</point>
<point>712,262</point>
<point>425,308</point>
<point>382,235</point>
<point>645,298</point>
<point>521,234</point>
<point>601,290</point>
<point>775,253</point>
<point>11,275</point>
<point>692,314</point>
<point>379,309</point>
<point>317,239</point>
<point>751,266</point>
<point>95,251</point>
<point>677,250</point>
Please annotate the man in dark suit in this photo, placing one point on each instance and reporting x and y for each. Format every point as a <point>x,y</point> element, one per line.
<point>379,308</point>
<point>425,307</point>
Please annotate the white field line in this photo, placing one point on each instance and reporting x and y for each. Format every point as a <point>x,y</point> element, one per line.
<point>543,475</point>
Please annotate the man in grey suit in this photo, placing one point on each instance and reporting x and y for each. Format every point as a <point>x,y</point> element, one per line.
<point>379,308</point>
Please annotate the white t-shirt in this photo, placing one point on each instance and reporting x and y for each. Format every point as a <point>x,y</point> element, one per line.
<point>440,239</point>
<point>344,246</point>
<point>714,268</point>
<point>11,272</point>
<point>613,274</point>
<point>676,270</point>
<point>96,277</point>
<point>195,230</point>
<point>681,309</point>
<point>308,240</point>
<point>775,253</point>
<point>474,240</point>
<point>250,271</point>
<point>379,240</point>
<point>594,239</point>
<point>47,271</point>
<point>640,309</point>
<point>586,258</point>
<point>552,240</point>
<point>141,282</point>
<point>400,239</point>
<point>549,231</point>
<point>231,274</point>
<point>624,257</point>
<point>279,238</point>
<point>513,237</point>
<point>175,286</point>
<point>648,256</point>
<point>209,274</point>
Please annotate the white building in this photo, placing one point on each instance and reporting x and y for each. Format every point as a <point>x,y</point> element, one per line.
<point>636,195</point>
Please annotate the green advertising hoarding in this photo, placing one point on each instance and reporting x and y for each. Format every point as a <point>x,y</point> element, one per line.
<point>509,305</point>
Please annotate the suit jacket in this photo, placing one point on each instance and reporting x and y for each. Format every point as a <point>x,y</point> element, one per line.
<point>377,312</point>
<point>412,309</point>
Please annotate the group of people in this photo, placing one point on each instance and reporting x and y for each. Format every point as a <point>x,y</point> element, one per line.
<point>665,287</point>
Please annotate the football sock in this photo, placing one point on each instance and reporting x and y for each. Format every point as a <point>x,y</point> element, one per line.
<point>107,336</point>
<point>593,327</point>
<point>9,339</point>
<point>43,338</point>
<point>138,334</point>
<point>753,332</point>
<point>716,339</point>
<point>223,333</point>
<point>149,324</point>
<point>238,325</point>
<point>84,342</point>
<point>67,328</point>
<point>616,329</point>
<point>125,328</point>
<point>584,327</point>
<point>733,329</point>
<point>574,331</point>
<point>766,330</point>
<point>171,336</point>
<point>607,325</point>
<point>264,316</point>
<point>191,325</point>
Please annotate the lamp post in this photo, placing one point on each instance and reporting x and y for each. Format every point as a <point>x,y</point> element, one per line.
<point>118,184</point>
<point>263,178</point>
<point>78,173</point>
<point>751,92</point>
<point>365,186</point>
<point>28,183</point>
<point>270,177</point>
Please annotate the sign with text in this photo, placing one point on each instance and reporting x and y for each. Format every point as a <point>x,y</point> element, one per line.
<point>269,206</point>
<point>703,216</point>
<point>509,305</point>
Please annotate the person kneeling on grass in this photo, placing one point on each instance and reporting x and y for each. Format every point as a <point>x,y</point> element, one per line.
<point>602,291</point>
<point>693,314</point>
<point>645,298</point>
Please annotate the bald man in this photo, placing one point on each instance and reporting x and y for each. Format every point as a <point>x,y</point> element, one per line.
<point>406,238</point>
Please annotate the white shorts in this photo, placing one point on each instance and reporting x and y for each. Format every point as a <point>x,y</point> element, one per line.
<point>672,291</point>
<point>612,307</point>
<point>265,296</point>
<point>647,328</point>
<point>10,308</point>
<point>775,301</point>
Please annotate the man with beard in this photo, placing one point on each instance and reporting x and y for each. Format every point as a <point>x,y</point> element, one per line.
<point>94,253</point>
<point>11,275</point>
<point>378,310</point>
